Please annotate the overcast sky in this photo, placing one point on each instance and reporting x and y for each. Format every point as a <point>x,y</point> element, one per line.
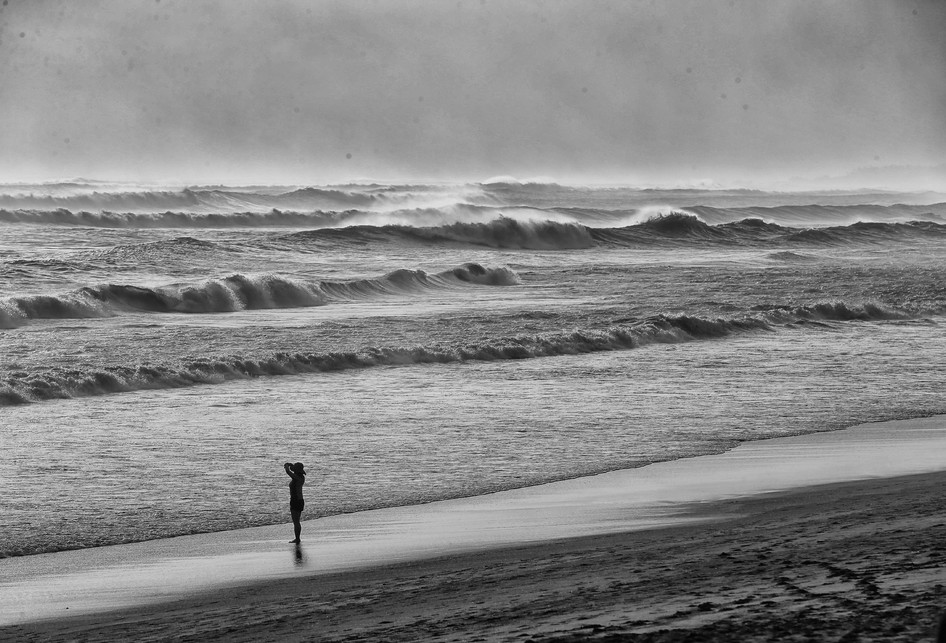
<point>290,91</point>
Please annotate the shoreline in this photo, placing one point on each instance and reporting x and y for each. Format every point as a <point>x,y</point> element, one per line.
<point>860,558</point>
<point>669,501</point>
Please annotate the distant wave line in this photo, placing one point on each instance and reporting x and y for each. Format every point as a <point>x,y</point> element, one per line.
<point>239,292</point>
<point>29,387</point>
<point>230,200</point>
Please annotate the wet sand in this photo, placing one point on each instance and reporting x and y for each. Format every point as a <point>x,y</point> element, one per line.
<point>855,560</point>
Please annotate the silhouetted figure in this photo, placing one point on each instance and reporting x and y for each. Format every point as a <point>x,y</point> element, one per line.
<point>941,631</point>
<point>296,502</point>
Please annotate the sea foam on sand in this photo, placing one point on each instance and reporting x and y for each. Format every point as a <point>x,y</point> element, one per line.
<point>50,586</point>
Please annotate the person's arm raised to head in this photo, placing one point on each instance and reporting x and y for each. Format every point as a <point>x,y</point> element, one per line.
<point>292,474</point>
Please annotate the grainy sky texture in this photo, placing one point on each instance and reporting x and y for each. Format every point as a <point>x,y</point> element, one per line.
<point>291,91</point>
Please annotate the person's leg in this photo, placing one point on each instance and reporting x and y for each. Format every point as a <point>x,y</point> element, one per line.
<point>297,524</point>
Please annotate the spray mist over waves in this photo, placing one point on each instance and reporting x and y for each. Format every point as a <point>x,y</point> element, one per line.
<point>239,292</point>
<point>25,387</point>
<point>222,200</point>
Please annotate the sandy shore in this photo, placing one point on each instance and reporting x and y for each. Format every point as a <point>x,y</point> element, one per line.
<point>852,561</point>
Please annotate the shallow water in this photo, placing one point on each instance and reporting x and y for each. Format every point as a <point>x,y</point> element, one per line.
<point>155,463</point>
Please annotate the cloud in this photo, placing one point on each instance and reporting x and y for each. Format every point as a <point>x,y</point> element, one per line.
<point>305,91</point>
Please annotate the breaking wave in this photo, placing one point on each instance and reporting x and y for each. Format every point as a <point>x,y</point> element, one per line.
<point>674,228</point>
<point>239,292</point>
<point>521,228</point>
<point>421,216</point>
<point>503,232</point>
<point>27,387</point>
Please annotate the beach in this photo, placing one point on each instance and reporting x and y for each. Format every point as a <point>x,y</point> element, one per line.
<point>571,322</point>
<point>751,556</point>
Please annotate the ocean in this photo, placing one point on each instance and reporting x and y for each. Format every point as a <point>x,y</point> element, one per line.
<point>164,350</point>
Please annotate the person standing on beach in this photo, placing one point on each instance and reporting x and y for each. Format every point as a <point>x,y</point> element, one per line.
<point>296,502</point>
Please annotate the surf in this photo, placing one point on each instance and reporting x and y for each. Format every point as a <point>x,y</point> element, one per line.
<point>237,292</point>
<point>623,334</point>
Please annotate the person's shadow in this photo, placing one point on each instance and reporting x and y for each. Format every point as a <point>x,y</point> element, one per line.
<point>299,555</point>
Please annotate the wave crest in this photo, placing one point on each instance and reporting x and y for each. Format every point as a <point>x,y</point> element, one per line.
<point>177,219</point>
<point>503,232</point>
<point>477,274</point>
<point>239,292</point>
<point>21,388</point>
